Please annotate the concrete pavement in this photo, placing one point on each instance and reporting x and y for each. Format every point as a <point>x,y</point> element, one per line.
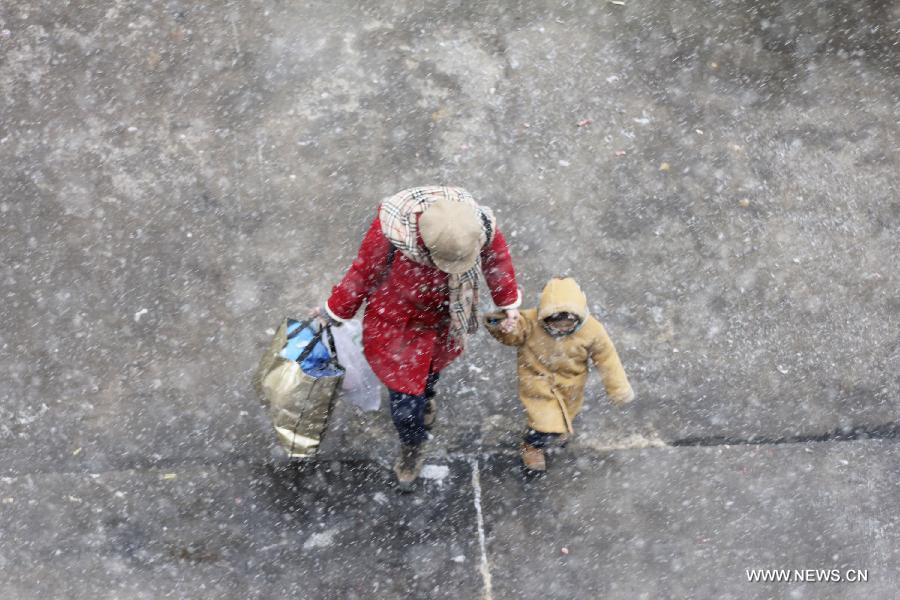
<point>178,178</point>
<point>657,523</point>
<point>721,177</point>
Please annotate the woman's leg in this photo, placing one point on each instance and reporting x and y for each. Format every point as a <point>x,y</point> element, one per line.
<point>431,383</point>
<point>408,413</point>
<point>430,405</point>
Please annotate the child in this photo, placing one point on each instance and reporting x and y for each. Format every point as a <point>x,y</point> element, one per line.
<point>556,341</point>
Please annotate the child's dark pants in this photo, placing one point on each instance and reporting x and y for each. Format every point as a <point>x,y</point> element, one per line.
<point>539,439</point>
<point>408,412</point>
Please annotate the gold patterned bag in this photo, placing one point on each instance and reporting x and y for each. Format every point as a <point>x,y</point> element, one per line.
<point>299,389</point>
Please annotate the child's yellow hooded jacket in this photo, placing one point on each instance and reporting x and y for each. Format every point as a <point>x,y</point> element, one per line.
<point>553,370</point>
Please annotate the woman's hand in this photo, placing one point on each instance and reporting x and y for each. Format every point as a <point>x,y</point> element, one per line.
<point>509,324</point>
<point>321,317</point>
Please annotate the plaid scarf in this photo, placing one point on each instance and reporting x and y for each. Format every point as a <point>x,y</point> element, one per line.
<point>399,223</point>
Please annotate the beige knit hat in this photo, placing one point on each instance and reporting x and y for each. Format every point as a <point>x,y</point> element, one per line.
<point>453,233</point>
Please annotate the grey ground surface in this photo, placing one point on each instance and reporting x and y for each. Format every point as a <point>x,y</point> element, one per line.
<point>627,524</point>
<point>175,177</point>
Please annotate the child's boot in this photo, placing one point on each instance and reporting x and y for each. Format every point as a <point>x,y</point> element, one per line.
<point>533,458</point>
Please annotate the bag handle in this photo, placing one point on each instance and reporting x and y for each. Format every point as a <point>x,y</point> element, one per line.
<point>488,229</point>
<point>310,346</point>
<point>302,325</point>
<point>317,337</point>
<point>385,273</point>
<point>331,346</point>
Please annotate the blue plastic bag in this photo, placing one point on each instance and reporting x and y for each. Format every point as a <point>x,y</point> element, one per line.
<point>318,363</point>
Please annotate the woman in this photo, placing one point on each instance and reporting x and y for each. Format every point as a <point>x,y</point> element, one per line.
<point>418,269</point>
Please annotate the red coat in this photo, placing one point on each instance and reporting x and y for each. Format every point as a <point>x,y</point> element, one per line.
<point>406,326</point>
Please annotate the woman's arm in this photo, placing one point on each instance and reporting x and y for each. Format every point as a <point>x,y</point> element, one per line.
<point>497,266</point>
<point>365,272</point>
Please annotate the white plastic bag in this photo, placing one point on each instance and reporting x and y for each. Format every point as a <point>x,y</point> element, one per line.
<point>361,387</point>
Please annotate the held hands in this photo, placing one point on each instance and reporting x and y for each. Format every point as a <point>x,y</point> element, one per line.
<point>509,324</point>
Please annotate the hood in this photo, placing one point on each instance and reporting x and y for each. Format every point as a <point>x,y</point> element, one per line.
<point>563,295</point>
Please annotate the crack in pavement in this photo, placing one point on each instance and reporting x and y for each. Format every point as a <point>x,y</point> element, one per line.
<point>886,431</point>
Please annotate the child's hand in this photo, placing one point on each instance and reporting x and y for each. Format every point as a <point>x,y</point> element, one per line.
<point>623,398</point>
<point>509,324</point>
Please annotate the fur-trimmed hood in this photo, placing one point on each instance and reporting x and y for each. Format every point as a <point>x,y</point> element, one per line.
<point>563,295</point>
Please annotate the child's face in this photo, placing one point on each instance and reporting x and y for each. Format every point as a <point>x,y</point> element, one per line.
<point>563,323</point>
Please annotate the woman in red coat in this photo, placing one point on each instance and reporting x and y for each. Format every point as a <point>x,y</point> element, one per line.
<point>418,270</point>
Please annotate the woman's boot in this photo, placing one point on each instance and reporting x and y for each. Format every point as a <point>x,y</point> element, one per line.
<point>408,466</point>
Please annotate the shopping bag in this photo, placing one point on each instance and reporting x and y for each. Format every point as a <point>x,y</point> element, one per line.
<point>299,387</point>
<point>299,335</point>
<point>361,387</point>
